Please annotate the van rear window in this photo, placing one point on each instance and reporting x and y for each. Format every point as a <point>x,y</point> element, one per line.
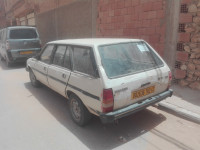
<point>23,34</point>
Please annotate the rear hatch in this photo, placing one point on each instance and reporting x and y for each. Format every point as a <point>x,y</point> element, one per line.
<point>134,72</point>
<point>23,39</point>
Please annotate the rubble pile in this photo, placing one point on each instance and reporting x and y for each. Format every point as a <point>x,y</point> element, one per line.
<point>192,65</point>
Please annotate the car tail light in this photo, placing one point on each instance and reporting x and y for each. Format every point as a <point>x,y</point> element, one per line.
<point>108,101</point>
<point>170,78</point>
<point>7,45</point>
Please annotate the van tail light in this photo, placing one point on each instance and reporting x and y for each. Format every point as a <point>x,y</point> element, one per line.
<point>7,45</point>
<point>170,79</point>
<point>108,101</point>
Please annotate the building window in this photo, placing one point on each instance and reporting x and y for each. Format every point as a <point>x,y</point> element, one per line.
<point>177,65</point>
<point>27,20</point>
<point>31,19</point>
<point>181,27</point>
<point>180,47</point>
<point>22,21</point>
<point>184,8</point>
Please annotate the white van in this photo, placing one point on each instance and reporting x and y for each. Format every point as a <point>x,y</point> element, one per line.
<point>110,78</point>
<point>18,43</point>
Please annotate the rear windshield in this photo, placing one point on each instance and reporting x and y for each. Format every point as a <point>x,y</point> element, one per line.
<point>127,58</point>
<point>23,34</point>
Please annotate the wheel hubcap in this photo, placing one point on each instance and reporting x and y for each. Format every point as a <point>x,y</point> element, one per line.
<point>76,109</point>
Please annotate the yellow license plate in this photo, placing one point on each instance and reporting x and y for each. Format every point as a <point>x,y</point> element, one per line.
<point>26,52</point>
<point>143,92</point>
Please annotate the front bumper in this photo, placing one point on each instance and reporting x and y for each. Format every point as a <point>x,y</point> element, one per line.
<point>112,116</point>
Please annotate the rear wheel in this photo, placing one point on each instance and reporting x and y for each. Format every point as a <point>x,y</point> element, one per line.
<point>33,79</point>
<point>8,64</point>
<point>1,58</point>
<point>78,111</point>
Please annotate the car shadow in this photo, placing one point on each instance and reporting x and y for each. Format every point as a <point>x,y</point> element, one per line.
<point>96,135</point>
<point>13,66</point>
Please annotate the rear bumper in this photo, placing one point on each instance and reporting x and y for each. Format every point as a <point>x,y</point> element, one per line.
<point>112,116</point>
<point>15,56</point>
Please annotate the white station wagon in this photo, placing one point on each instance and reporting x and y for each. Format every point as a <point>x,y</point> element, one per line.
<point>110,78</point>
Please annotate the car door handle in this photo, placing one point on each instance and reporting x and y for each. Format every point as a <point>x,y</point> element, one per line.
<point>64,76</point>
<point>145,84</point>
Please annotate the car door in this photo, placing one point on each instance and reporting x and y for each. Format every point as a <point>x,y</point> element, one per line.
<point>84,79</point>
<point>41,66</point>
<point>60,70</point>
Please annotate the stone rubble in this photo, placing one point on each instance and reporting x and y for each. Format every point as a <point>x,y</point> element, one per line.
<point>192,65</point>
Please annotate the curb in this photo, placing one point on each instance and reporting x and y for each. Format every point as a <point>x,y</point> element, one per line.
<point>181,111</point>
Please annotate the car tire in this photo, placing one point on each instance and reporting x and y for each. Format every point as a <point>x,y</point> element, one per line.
<point>8,64</point>
<point>33,79</point>
<point>78,111</point>
<point>1,58</point>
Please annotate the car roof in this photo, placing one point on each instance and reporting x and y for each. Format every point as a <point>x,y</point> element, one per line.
<point>21,27</point>
<point>93,41</point>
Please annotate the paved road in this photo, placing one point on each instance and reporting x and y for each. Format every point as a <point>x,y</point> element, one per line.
<point>38,119</point>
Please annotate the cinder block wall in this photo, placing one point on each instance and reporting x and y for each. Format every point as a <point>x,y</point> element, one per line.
<point>143,19</point>
<point>68,21</point>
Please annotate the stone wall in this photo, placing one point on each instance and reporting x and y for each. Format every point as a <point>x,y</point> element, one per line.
<point>143,19</point>
<point>188,48</point>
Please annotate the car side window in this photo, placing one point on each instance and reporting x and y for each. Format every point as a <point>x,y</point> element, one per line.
<point>82,60</point>
<point>59,55</point>
<point>46,55</point>
<point>67,61</point>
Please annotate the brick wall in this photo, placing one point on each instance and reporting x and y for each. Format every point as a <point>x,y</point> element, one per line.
<point>187,66</point>
<point>143,19</point>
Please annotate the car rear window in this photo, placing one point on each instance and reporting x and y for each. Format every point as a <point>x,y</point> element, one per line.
<point>23,34</point>
<point>127,58</point>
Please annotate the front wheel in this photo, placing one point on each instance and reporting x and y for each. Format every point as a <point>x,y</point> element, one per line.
<point>33,79</point>
<point>78,111</point>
